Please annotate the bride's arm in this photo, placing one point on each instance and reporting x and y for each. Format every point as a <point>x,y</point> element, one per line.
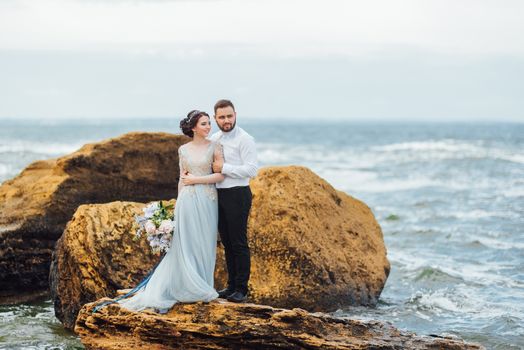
<point>182,171</point>
<point>206,179</point>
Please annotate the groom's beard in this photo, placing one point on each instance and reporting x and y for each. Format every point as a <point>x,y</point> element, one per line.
<point>230,129</point>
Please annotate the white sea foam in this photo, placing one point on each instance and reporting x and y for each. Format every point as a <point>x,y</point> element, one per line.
<point>439,300</point>
<point>459,299</point>
<point>43,315</point>
<point>272,156</point>
<point>7,317</point>
<point>423,316</point>
<point>346,180</point>
<point>498,244</point>
<point>515,158</point>
<point>5,169</point>
<point>351,169</point>
<point>448,145</point>
<point>355,180</point>
<point>485,274</point>
<point>46,148</point>
<point>410,263</point>
<point>392,185</point>
<point>480,213</point>
<point>446,149</point>
<point>406,260</point>
<point>513,192</point>
<point>310,154</point>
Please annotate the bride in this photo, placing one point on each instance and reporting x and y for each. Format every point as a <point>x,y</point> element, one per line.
<point>185,274</point>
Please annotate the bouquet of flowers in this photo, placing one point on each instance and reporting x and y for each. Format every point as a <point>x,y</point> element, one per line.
<point>158,222</point>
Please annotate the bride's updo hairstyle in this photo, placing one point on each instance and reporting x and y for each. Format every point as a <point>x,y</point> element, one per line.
<point>188,123</point>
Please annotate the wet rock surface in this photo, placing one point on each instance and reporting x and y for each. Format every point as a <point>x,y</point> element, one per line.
<point>223,325</point>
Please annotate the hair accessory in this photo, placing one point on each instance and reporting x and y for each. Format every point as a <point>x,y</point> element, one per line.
<point>192,115</point>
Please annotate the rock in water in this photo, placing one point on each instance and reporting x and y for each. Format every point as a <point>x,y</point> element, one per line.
<point>311,247</point>
<point>223,325</point>
<point>36,205</point>
<point>96,255</point>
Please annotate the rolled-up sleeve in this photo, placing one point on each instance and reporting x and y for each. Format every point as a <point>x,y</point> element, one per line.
<point>248,156</point>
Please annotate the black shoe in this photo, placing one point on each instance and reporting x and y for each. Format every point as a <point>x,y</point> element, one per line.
<point>237,297</point>
<point>224,293</point>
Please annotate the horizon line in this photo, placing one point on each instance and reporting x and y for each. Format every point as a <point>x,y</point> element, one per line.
<point>241,119</point>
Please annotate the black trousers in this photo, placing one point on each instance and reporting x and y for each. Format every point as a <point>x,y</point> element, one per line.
<point>233,212</point>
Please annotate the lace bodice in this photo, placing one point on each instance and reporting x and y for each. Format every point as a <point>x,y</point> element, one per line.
<point>197,162</point>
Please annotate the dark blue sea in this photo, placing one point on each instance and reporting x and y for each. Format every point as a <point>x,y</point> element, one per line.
<point>449,198</point>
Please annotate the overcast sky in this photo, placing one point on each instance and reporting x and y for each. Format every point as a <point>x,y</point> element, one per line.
<point>344,59</point>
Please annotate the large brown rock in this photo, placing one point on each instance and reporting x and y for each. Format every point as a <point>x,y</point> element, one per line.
<point>223,325</point>
<point>96,255</point>
<point>36,205</point>
<point>311,247</point>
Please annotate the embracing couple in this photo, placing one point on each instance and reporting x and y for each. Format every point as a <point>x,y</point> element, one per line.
<point>213,193</point>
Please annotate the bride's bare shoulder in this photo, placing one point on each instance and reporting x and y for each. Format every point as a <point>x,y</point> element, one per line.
<point>185,145</point>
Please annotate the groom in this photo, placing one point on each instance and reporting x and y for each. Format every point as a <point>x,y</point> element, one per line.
<point>234,197</point>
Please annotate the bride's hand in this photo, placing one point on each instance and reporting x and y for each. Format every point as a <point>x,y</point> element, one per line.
<point>188,179</point>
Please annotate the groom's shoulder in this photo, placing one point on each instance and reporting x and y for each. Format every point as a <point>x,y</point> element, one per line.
<point>245,135</point>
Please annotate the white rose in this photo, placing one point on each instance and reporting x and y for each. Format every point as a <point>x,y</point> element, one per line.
<point>166,226</point>
<point>150,227</point>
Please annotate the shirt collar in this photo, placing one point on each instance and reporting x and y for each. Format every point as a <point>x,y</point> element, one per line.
<point>231,133</point>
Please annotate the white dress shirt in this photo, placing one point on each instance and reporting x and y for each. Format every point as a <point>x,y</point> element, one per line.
<point>240,157</point>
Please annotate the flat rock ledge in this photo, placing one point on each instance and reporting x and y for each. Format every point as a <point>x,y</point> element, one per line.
<point>224,325</point>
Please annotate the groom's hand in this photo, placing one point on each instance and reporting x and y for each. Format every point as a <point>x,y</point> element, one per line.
<point>217,165</point>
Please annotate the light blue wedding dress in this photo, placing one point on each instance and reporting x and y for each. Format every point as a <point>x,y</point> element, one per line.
<point>185,274</point>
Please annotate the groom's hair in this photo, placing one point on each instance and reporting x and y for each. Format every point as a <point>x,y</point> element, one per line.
<point>223,104</point>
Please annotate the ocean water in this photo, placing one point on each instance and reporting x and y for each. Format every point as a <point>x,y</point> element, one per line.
<point>449,198</point>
